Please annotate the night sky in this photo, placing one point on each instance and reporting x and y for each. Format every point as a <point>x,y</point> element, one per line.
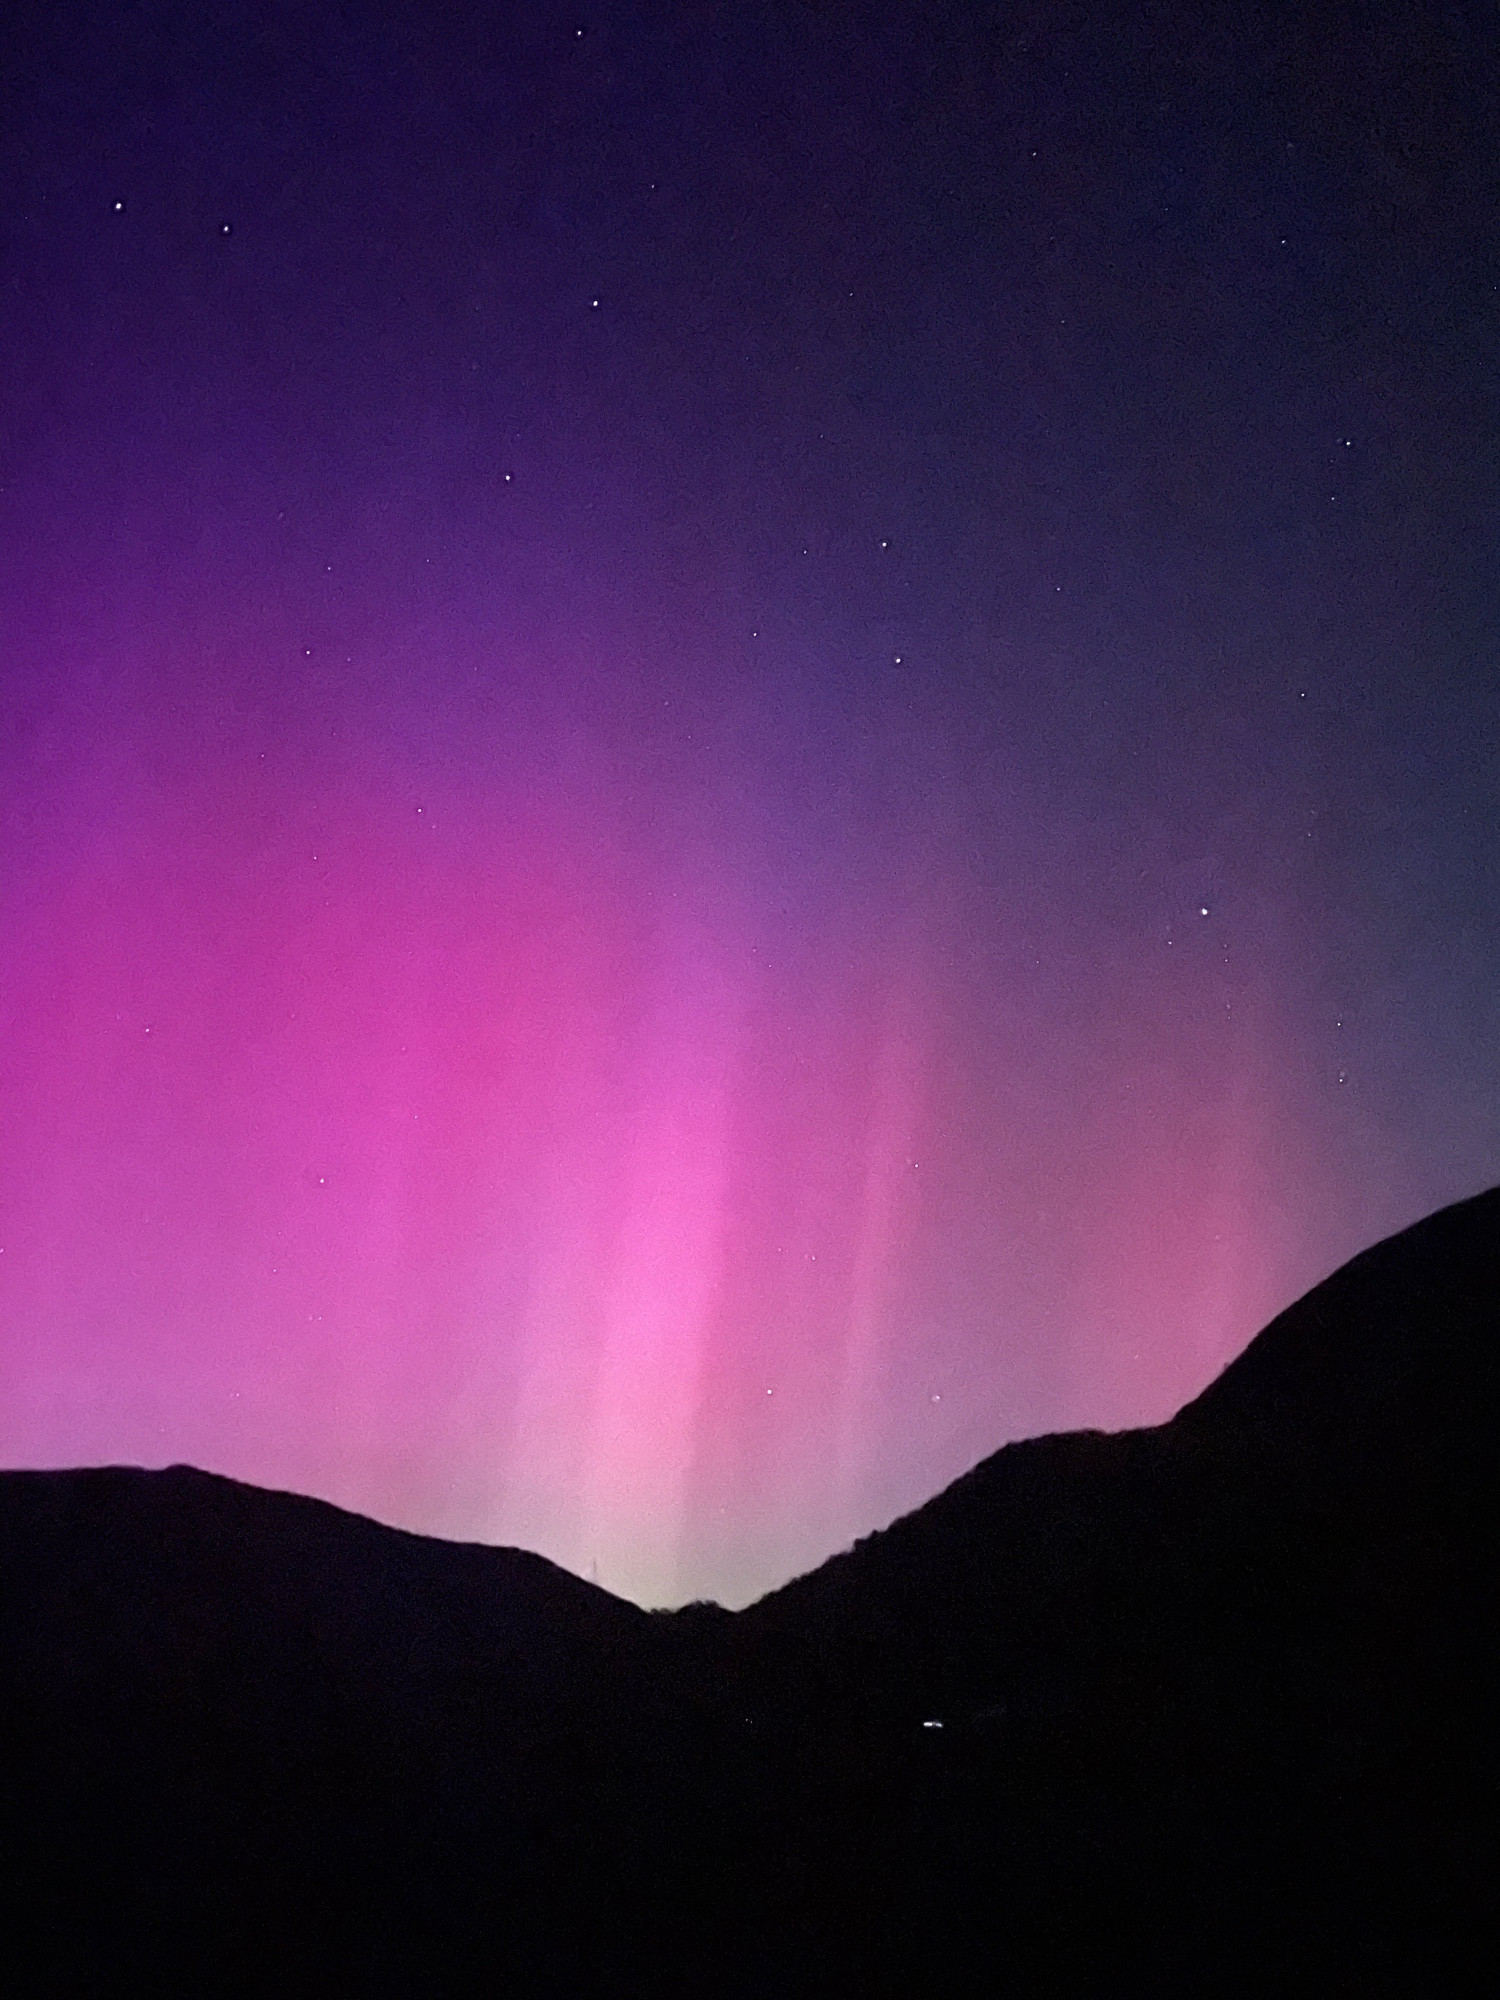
<point>741,746</point>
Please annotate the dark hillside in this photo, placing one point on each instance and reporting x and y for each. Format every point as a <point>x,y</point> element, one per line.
<point>1207,1707</point>
<point>263,1730</point>
<point>1218,1691</point>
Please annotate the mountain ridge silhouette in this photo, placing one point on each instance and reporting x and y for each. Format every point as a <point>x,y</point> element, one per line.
<point>1206,1704</point>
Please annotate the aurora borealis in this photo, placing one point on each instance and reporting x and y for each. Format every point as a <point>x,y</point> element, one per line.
<point>741,747</point>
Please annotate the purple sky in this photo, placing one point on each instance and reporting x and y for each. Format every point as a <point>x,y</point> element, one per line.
<point>738,753</point>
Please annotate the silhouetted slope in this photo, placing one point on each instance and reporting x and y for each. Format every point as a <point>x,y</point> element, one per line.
<point>1215,1704</point>
<point>1378,1388</point>
<point>262,1728</point>
<point>1220,1689</point>
<point>1394,1354</point>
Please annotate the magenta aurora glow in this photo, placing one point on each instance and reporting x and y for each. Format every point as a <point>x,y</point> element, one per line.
<point>644,928</point>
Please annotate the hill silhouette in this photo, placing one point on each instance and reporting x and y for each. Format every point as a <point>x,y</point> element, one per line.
<point>1204,1707</point>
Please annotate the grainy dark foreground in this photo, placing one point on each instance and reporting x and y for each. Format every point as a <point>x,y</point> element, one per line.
<point>1204,1708</point>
